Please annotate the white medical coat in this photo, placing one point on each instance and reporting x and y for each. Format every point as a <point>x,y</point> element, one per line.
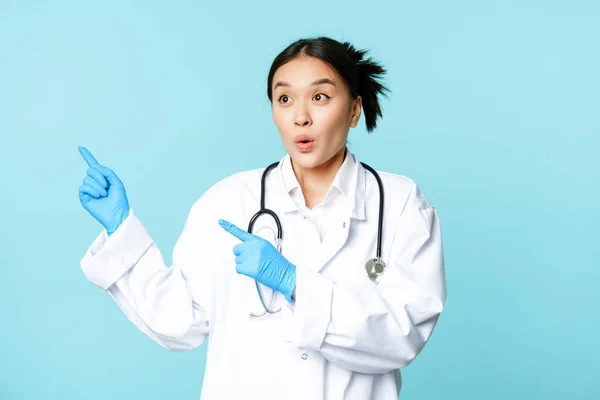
<point>343,337</point>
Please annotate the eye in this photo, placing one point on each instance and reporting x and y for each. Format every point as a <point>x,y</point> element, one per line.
<point>318,97</point>
<point>281,97</point>
<point>321,94</point>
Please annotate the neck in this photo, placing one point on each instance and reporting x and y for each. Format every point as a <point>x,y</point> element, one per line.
<point>315,182</point>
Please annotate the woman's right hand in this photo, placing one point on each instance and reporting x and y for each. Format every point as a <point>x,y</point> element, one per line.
<point>102,194</point>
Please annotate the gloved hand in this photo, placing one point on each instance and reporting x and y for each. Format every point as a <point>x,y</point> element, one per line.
<point>260,260</point>
<point>102,194</point>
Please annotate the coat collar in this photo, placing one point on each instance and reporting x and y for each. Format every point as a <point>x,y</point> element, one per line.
<point>350,180</point>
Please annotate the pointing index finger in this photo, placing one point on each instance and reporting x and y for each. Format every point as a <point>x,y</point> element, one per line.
<point>87,156</point>
<point>235,231</point>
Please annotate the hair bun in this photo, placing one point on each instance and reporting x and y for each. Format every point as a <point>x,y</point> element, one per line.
<point>356,55</point>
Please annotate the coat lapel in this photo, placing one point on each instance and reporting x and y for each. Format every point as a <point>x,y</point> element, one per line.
<point>296,242</point>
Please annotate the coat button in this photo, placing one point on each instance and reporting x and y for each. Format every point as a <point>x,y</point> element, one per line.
<point>304,356</point>
<point>344,225</point>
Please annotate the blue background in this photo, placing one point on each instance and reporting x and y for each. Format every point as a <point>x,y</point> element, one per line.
<point>494,112</point>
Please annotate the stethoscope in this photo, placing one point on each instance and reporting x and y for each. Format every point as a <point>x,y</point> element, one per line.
<point>374,266</point>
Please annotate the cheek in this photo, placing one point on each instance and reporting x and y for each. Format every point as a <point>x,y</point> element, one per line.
<point>278,118</point>
<point>333,120</point>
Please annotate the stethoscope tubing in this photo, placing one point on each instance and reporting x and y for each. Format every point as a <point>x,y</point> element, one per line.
<point>263,210</point>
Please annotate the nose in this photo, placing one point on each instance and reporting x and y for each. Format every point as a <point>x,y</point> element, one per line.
<point>302,122</point>
<point>302,118</point>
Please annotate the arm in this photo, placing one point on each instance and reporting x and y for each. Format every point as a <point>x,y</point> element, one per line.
<point>376,329</point>
<point>168,304</point>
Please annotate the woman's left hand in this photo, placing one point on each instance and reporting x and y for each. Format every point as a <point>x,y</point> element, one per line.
<point>260,260</point>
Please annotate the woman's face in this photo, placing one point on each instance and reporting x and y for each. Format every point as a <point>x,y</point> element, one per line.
<point>311,102</point>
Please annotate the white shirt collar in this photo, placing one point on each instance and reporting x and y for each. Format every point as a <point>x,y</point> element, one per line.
<point>341,181</point>
<point>349,181</point>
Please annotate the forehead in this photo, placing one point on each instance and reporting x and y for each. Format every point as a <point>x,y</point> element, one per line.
<point>301,71</point>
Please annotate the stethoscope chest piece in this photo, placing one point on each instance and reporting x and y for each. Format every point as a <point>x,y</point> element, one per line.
<point>375,267</point>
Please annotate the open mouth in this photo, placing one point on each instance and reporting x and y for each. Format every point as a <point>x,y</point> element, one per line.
<point>303,139</point>
<point>304,145</point>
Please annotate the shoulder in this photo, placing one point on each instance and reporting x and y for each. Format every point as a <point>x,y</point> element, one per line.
<point>406,204</point>
<point>403,191</point>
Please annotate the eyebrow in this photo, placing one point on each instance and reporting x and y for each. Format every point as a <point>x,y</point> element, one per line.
<point>321,81</point>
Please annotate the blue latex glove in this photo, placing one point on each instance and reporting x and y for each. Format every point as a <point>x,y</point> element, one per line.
<point>260,260</point>
<point>102,194</point>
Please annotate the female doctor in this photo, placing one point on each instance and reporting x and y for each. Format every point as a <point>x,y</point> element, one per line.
<point>349,293</point>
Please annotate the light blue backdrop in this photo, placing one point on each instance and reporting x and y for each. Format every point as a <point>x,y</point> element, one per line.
<point>494,112</point>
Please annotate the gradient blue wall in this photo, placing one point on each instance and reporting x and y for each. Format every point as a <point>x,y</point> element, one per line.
<point>494,112</point>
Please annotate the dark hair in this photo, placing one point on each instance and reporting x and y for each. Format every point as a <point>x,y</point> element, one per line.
<point>358,73</point>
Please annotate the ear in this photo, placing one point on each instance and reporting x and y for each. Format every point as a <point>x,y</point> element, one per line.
<point>356,107</point>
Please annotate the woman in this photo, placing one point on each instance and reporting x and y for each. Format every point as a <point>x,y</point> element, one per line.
<point>340,332</point>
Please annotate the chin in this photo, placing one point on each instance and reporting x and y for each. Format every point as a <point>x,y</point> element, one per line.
<point>306,160</point>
